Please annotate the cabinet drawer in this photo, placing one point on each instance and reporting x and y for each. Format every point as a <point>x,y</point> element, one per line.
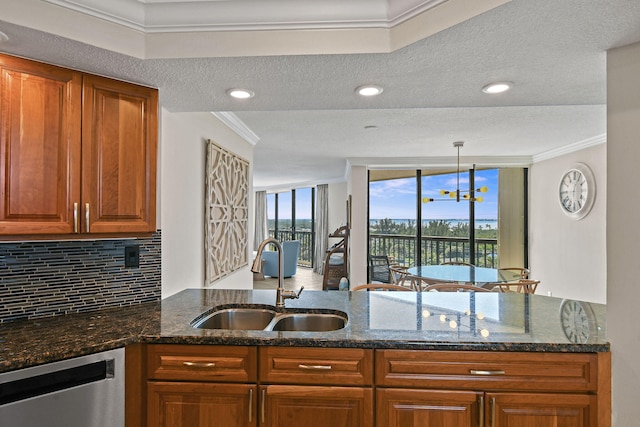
<point>202,363</point>
<point>334,366</point>
<point>487,370</point>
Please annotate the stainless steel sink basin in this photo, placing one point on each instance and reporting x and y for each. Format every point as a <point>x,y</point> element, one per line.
<point>236,318</point>
<point>265,319</point>
<point>310,322</point>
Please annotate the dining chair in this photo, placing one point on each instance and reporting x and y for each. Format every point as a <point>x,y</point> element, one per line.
<point>523,286</point>
<point>524,272</point>
<point>380,287</point>
<point>401,277</point>
<point>379,269</point>
<point>457,263</point>
<point>454,287</point>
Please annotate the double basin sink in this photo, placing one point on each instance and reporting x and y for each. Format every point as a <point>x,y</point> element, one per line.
<point>261,318</point>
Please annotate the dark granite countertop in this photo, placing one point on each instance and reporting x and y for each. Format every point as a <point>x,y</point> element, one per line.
<point>431,320</point>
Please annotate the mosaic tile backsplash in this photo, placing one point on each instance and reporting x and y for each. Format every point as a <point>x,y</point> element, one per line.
<point>40,279</point>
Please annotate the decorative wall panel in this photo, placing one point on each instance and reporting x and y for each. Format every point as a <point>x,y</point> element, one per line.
<point>227,187</point>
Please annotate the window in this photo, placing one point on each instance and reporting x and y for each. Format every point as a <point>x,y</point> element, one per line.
<point>448,230</point>
<point>392,219</point>
<point>303,225</point>
<point>290,216</point>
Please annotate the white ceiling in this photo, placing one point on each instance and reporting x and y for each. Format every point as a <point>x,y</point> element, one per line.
<point>306,118</point>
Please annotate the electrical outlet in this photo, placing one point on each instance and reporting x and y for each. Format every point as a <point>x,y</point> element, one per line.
<point>132,256</point>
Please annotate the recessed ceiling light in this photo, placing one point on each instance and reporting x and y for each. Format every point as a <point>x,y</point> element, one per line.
<point>369,90</point>
<point>240,93</point>
<point>3,37</point>
<point>497,87</point>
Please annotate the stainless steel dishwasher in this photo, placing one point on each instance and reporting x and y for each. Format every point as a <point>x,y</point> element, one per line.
<point>87,391</point>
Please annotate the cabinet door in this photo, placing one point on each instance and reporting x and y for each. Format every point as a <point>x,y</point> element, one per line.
<point>428,408</point>
<point>183,404</point>
<point>39,147</point>
<point>542,410</point>
<point>119,143</point>
<point>311,406</point>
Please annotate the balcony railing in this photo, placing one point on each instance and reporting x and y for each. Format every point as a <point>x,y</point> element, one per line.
<point>434,250</point>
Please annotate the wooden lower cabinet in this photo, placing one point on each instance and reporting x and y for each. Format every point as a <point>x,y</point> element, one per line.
<point>541,410</point>
<point>427,408</point>
<point>185,404</point>
<point>270,386</point>
<point>316,406</point>
<point>435,408</point>
<point>487,389</point>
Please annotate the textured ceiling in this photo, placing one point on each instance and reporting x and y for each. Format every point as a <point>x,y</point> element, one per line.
<point>310,122</point>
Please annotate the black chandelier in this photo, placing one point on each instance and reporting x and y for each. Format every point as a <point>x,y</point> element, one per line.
<point>456,194</point>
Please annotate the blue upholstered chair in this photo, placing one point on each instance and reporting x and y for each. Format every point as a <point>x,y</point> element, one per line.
<point>291,250</point>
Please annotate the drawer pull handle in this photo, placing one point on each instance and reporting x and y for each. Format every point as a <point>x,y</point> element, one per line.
<point>480,372</point>
<point>199,364</point>
<point>315,367</point>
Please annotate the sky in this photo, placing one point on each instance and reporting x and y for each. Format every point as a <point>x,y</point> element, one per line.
<point>396,199</point>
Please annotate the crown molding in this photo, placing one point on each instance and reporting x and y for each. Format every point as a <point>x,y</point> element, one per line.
<point>439,162</point>
<point>215,15</point>
<point>571,148</point>
<point>214,28</point>
<point>238,126</point>
<point>128,13</point>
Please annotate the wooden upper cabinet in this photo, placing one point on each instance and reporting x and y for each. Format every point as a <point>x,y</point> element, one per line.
<point>39,147</point>
<point>119,137</point>
<point>77,152</point>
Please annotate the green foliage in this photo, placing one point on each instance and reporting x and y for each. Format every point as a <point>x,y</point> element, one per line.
<point>437,228</point>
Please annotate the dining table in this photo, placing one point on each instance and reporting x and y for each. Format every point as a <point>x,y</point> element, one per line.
<point>479,276</point>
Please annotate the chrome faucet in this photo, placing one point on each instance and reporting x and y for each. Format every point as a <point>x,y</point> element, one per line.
<point>282,294</point>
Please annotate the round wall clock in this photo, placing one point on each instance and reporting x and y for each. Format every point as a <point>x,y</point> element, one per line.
<point>578,322</point>
<point>577,191</point>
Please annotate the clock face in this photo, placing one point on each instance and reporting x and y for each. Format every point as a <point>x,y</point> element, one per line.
<point>574,190</point>
<point>577,191</point>
<point>578,321</point>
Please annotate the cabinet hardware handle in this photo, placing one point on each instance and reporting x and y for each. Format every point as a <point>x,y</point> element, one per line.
<point>315,367</point>
<point>480,372</point>
<point>481,407</point>
<point>75,217</point>
<point>86,216</point>
<point>250,405</point>
<point>264,397</point>
<point>199,364</point>
<point>493,412</point>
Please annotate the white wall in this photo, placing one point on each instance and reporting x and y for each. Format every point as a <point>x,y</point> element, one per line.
<point>568,256</point>
<point>181,219</point>
<point>623,230</point>
<point>358,188</point>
